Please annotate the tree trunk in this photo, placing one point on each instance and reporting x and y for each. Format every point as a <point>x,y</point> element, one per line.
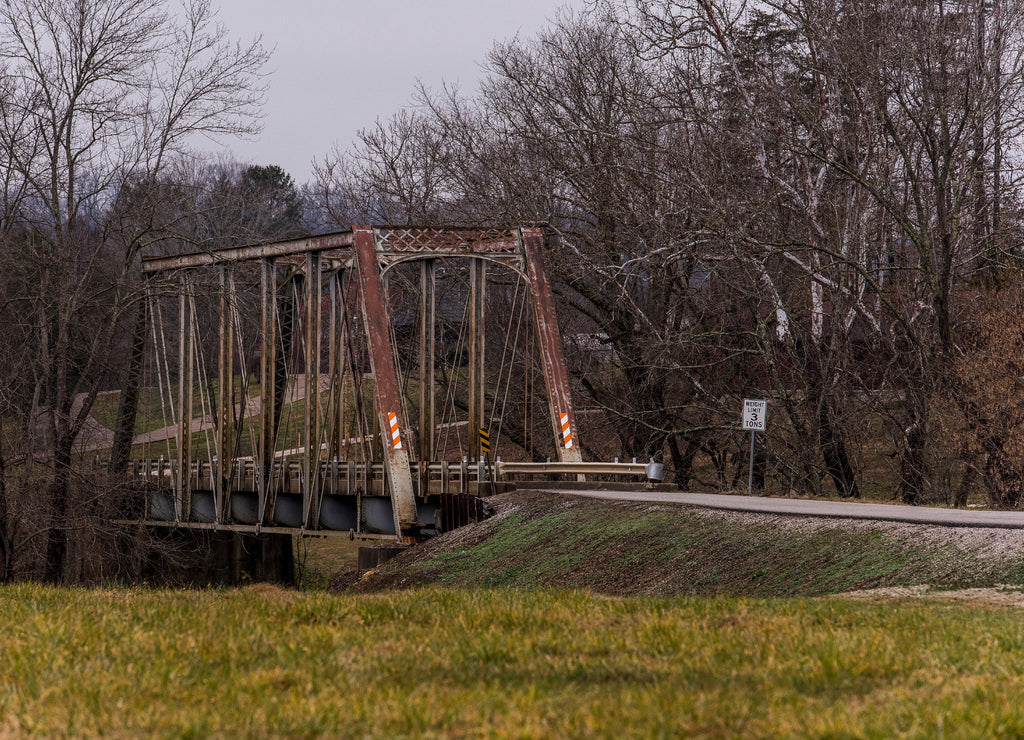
<point>682,460</point>
<point>833,450</point>
<point>128,406</point>
<point>912,465</point>
<point>963,490</point>
<point>57,536</point>
<point>6,544</point>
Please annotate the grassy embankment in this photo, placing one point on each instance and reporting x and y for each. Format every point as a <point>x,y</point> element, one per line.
<point>626,548</point>
<point>479,663</point>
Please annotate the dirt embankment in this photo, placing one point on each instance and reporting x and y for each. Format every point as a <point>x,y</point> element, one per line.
<point>541,539</point>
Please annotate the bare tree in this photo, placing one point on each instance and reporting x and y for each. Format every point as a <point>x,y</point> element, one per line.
<point>101,94</point>
<point>565,131</point>
<point>395,173</point>
<point>876,130</point>
<point>789,196</point>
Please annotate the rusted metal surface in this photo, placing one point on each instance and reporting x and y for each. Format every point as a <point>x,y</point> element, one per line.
<point>386,390</point>
<point>335,364</point>
<point>427,377</point>
<point>311,421</point>
<point>398,240</point>
<point>428,325</point>
<point>225,395</point>
<point>186,354</point>
<point>477,290</point>
<point>552,361</point>
<point>268,361</point>
<point>339,240</point>
<point>392,242</point>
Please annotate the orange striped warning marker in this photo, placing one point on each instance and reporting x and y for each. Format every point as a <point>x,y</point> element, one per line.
<point>566,431</point>
<point>396,439</point>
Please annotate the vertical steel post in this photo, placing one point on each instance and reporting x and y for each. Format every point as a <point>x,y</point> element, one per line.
<point>333,429</point>
<point>556,378</point>
<point>376,317</point>
<point>427,352</point>
<point>353,367</point>
<point>311,428</point>
<point>750,474</point>
<point>186,353</point>
<point>344,359</point>
<point>225,397</point>
<point>477,287</point>
<point>268,362</point>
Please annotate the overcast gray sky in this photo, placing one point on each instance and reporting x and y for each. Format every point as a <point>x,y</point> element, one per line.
<point>339,65</point>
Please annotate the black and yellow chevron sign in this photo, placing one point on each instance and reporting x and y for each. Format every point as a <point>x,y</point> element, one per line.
<point>485,441</point>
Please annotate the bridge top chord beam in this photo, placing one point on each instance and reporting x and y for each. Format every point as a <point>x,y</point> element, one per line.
<point>393,240</point>
<point>393,243</point>
<point>157,264</point>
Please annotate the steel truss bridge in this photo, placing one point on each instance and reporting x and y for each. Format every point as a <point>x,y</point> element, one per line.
<point>339,383</point>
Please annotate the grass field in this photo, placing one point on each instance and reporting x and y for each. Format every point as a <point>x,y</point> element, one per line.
<point>262,661</point>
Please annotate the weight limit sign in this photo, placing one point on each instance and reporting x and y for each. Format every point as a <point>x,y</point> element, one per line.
<point>755,413</point>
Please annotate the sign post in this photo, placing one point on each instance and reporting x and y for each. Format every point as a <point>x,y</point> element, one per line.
<point>485,447</point>
<point>755,413</point>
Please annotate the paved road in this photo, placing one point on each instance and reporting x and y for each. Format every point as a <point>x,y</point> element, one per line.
<point>840,509</point>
